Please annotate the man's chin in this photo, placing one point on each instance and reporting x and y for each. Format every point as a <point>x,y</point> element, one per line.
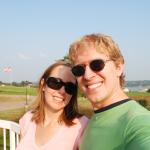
<point>94,99</point>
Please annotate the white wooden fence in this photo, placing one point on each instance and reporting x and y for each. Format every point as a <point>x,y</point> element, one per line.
<point>14,131</point>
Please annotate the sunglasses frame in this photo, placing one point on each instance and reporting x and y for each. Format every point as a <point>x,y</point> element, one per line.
<point>58,83</point>
<point>79,70</point>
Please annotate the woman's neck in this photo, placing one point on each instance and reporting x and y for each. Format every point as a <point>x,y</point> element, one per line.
<point>51,117</point>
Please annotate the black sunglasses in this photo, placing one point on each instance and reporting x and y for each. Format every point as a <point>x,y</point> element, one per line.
<point>56,84</point>
<point>95,65</point>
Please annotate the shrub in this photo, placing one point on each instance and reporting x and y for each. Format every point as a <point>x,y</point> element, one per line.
<point>144,103</point>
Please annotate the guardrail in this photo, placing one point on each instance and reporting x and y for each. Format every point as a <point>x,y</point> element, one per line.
<point>14,131</point>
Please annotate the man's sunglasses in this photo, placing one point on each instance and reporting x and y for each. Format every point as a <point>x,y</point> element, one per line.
<point>56,84</point>
<point>95,65</point>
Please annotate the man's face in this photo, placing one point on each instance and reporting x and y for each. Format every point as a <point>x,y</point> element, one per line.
<point>102,85</point>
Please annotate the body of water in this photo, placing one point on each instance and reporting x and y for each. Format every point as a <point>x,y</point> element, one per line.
<point>138,85</point>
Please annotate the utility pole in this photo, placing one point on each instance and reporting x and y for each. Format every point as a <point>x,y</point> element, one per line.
<point>26,93</point>
<point>26,96</point>
<point>26,103</point>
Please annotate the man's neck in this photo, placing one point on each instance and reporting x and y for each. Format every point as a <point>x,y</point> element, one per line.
<point>109,101</point>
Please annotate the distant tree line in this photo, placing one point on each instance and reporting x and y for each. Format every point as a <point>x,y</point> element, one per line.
<point>22,83</point>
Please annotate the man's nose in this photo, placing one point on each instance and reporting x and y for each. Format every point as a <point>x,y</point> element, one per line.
<point>88,73</point>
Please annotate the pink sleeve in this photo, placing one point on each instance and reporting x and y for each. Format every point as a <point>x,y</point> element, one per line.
<point>84,121</point>
<point>24,123</point>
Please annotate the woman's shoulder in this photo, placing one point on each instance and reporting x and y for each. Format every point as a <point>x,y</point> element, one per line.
<point>28,114</point>
<point>25,122</point>
<point>26,117</point>
<point>83,120</point>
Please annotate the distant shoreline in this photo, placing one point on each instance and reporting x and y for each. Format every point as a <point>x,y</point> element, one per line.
<point>137,85</point>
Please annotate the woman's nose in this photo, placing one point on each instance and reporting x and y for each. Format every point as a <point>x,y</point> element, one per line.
<point>62,90</point>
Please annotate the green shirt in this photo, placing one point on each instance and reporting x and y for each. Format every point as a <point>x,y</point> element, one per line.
<point>123,127</point>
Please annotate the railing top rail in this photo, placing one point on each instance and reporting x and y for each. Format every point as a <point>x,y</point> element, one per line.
<point>6,124</point>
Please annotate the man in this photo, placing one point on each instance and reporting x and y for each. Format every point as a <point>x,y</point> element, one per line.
<point>118,123</point>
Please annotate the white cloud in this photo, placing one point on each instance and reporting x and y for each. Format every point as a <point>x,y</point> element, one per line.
<point>23,56</point>
<point>43,55</point>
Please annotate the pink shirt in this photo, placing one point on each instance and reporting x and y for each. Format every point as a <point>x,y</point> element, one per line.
<point>67,138</point>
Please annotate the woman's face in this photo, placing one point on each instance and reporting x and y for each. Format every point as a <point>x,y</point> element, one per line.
<point>56,100</point>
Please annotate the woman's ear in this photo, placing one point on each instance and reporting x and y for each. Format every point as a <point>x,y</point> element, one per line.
<point>120,68</point>
<point>42,84</point>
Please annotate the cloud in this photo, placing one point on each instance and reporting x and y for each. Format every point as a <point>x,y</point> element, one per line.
<point>23,56</point>
<point>43,55</point>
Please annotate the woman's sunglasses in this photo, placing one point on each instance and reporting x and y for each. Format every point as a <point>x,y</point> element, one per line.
<point>56,84</point>
<point>95,65</point>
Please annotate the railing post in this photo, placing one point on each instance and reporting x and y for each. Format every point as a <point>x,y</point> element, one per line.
<point>4,139</point>
<point>12,140</point>
<point>14,131</point>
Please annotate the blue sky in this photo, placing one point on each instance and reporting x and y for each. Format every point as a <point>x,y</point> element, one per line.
<point>35,33</point>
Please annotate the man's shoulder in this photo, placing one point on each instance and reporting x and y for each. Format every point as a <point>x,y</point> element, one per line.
<point>137,115</point>
<point>135,110</point>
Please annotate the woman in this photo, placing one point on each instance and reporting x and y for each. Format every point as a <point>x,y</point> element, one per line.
<point>54,123</point>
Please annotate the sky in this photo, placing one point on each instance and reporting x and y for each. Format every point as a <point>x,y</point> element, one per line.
<point>36,33</point>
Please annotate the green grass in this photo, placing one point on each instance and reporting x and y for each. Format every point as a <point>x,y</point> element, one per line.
<point>142,96</point>
<point>11,98</point>
<point>138,94</point>
<point>85,106</point>
<point>13,90</point>
<point>13,114</point>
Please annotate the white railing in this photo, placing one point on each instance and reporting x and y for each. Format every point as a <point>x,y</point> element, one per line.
<point>14,131</point>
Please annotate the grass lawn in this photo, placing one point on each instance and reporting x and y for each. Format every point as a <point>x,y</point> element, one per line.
<point>13,90</point>
<point>11,98</point>
<point>12,115</point>
<point>85,106</point>
<point>146,94</point>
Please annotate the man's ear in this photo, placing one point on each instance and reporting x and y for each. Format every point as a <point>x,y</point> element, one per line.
<point>120,68</point>
<point>42,85</point>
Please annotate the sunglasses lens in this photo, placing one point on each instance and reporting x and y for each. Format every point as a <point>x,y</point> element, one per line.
<point>97,65</point>
<point>70,88</point>
<point>54,83</point>
<point>78,70</point>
